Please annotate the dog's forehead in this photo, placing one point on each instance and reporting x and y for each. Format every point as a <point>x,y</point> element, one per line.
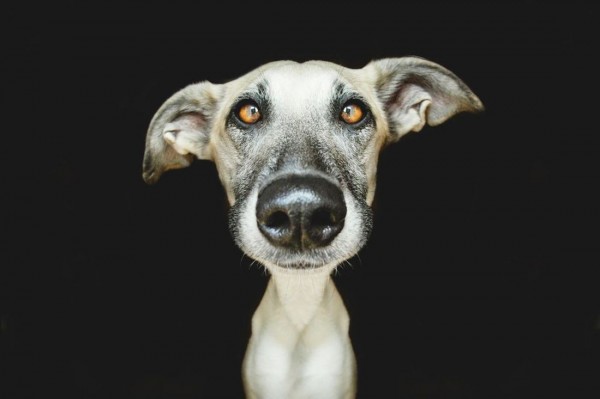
<point>293,85</point>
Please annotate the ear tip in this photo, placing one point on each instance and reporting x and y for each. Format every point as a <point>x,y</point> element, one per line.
<point>480,107</point>
<point>150,176</point>
<point>150,170</point>
<point>476,104</point>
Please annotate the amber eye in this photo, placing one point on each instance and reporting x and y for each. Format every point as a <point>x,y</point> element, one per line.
<point>249,113</point>
<point>352,113</point>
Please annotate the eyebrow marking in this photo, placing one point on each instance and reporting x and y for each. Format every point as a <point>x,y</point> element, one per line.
<point>258,93</point>
<point>262,89</point>
<point>341,93</point>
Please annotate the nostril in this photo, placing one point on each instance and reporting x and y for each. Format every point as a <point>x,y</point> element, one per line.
<point>277,220</point>
<point>323,217</point>
<point>323,225</point>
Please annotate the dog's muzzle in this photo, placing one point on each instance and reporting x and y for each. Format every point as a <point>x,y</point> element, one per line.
<point>300,212</point>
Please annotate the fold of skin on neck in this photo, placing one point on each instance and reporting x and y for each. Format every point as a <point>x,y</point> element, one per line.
<point>301,295</point>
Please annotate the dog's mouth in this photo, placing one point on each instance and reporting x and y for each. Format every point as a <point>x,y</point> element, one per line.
<point>300,222</point>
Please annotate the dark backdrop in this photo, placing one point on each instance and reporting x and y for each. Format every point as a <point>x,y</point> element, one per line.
<point>478,280</point>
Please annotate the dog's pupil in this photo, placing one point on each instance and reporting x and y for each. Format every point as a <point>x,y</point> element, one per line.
<point>352,113</point>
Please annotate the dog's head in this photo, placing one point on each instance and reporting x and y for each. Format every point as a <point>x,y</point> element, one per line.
<point>296,148</point>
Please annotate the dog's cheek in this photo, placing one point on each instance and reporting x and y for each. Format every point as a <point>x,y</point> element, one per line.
<point>366,214</point>
<point>367,218</point>
<point>242,224</point>
<point>356,229</point>
<point>370,160</point>
<point>237,226</point>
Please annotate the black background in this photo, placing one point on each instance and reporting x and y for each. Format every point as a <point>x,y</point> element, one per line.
<point>478,281</point>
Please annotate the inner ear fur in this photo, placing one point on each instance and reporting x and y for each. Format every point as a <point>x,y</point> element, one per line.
<point>415,91</point>
<point>180,130</point>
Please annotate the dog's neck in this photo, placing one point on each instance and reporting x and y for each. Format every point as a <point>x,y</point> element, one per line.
<point>301,295</point>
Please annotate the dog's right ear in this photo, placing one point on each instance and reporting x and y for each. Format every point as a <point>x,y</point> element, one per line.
<point>180,130</point>
<point>416,92</point>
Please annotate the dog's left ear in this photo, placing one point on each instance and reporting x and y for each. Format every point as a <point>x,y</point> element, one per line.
<point>180,130</point>
<point>415,92</point>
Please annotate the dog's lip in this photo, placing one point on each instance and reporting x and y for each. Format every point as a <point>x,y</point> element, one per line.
<point>301,266</point>
<point>300,260</point>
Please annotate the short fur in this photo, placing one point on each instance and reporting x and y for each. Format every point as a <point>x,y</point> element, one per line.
<point>300,347</point>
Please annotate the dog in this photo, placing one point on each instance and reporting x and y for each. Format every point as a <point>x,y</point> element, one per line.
<point>296,147</point>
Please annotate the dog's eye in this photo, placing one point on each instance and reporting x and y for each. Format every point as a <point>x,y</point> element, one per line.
<point>352,113</point>
<point>248,113</point>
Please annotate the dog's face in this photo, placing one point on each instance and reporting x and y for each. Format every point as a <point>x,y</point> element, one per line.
<point>296,147</point>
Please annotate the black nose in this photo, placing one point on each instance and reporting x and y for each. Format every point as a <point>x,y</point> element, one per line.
<point>300,212</point>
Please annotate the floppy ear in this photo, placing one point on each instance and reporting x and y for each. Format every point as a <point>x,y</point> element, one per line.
<point>415,92</point>
<point>180,130</point>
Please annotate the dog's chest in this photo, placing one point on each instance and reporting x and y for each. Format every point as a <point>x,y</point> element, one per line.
<point>287,360</point>
<point>315,362</point>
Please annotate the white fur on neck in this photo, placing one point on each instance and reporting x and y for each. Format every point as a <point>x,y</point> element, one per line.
<point>301,294</point>
<point>300,347</point>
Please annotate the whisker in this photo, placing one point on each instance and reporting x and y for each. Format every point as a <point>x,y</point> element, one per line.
<point>359,259</point>
<point>242,258</point>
